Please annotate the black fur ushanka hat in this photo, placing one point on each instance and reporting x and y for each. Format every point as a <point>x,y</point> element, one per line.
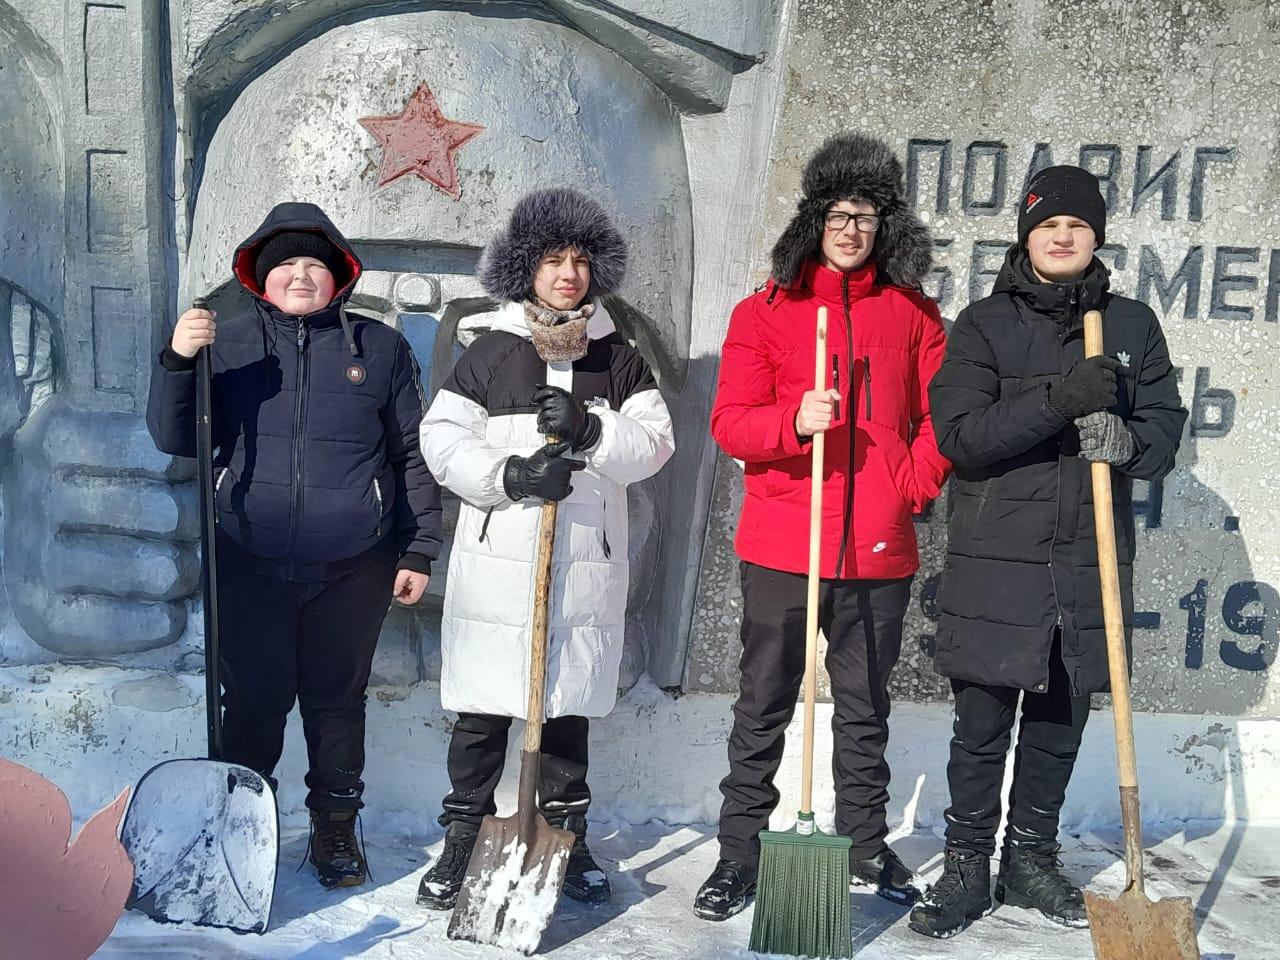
<point>854,166</point>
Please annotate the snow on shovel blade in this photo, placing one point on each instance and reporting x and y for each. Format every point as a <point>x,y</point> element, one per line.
<point>1132,927</point>
<point>204,838</point>
<point>510,889</point>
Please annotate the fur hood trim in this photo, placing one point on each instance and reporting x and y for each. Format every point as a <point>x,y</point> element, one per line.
<point>545,221</point>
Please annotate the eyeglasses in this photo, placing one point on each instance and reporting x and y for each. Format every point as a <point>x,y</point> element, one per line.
<point>837,220</point>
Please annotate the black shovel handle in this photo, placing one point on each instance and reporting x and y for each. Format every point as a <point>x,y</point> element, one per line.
<point>208,546</point>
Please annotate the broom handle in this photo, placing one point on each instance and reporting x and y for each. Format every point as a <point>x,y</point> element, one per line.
<point>1113,617</point>
<point>815,573</point>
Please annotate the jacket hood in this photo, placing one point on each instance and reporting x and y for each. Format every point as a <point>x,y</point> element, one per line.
<point>1018,279</point>
<point>509,318</point>
<point>853,166</point>
<point>294,216</point>
<point>545,221</point>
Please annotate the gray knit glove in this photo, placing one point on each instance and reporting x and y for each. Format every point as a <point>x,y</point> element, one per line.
<point>1105,438</point>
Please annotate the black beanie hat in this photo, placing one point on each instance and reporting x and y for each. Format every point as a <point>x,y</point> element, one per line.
<point>1063,191</point>
<point>300,243</point>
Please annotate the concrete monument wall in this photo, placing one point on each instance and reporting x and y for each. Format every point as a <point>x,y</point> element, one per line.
<point>1173,105</point>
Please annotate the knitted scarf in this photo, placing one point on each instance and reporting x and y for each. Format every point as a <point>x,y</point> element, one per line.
<point>558,335</point>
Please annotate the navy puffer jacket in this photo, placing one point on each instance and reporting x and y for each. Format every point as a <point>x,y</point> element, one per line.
<point>315,424</point>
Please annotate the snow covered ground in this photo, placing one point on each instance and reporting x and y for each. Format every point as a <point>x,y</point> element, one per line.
<point>657,757</point>
<point>1231,873</point>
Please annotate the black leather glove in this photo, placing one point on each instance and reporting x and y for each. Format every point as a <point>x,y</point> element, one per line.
<point>543,474</point>
<point>562,415</point>
<point>1089,386</point>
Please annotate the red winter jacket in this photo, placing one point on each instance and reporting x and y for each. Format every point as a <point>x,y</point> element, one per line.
<point>888,343</point>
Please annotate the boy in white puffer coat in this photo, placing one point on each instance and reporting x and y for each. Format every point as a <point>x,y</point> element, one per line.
<point>553,364</point>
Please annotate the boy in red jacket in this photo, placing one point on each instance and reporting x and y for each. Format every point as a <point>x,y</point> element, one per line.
<point>856,249</point>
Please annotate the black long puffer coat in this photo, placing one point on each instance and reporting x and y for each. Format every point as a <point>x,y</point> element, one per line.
<point>1022,551</point>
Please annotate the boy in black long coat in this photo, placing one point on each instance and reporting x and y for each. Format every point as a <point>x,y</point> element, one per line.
<point>1021,413</point>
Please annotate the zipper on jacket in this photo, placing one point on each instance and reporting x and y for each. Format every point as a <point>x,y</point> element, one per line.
<point>299,421</point>
<point>866,381</point>
<point>377,496</point>
<point>1057,506</point>
<point>484,527</point>
<point>217,485</point>
<point>604,531</point>
<point>847,518</point>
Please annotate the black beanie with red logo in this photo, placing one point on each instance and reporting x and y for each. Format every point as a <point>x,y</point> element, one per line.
<point>1063,191</point>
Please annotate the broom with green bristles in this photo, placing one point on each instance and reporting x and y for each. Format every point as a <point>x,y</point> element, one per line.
<point>802,894</point>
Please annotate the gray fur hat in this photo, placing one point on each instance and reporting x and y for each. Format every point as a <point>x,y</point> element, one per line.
<point>854,166</point>
<point>545,221</point>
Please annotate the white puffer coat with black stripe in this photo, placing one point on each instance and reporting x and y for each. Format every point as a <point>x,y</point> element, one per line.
<point>483,414</point>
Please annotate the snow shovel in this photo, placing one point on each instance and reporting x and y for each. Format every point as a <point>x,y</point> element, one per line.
<point>1130,927</point>
<point>204,835</point>
<point>518,864</point>
<point>802,895</point>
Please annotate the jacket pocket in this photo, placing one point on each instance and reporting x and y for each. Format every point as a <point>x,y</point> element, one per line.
<point>894,457</point>
<point>983,499</point>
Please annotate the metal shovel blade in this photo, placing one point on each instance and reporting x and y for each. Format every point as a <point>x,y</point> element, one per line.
<point>1133,927</point>
<point>511,886</point>
<point>204,839</point>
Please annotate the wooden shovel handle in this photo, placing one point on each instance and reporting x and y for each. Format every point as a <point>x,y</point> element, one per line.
<point>538,634</point>
<point>1113,619</point>
<point>815,573</point>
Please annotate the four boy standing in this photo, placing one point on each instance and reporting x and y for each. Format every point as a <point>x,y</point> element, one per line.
<point>327,510</point>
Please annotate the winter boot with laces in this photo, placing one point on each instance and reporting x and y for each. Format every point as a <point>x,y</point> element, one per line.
<point>337,856</point>
<point>440,885</point>
<point>961,896</point>
<point>726,891</point>
<point>1030,876</point>
<point>584,881</point>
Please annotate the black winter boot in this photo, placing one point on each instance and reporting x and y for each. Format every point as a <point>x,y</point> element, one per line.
<point>888,875</point>
<point>1030,877</point>
<point>961,896</point>
<point>726,891</point>
<point>337,856</point>
<point>584,881</point>
<point>439,887</point>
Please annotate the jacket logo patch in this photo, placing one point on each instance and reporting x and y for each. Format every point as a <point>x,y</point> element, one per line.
<point>1032,201</point>
<point>1123,357</point>
<point>599,403</point>
<point>355,373</point>
<point>879,547</point>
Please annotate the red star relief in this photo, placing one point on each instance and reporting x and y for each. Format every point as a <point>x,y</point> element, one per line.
<point>421,140</point>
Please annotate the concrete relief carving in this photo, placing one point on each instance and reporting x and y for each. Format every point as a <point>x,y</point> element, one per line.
<point>417,131</point>
<point>418,155</point>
